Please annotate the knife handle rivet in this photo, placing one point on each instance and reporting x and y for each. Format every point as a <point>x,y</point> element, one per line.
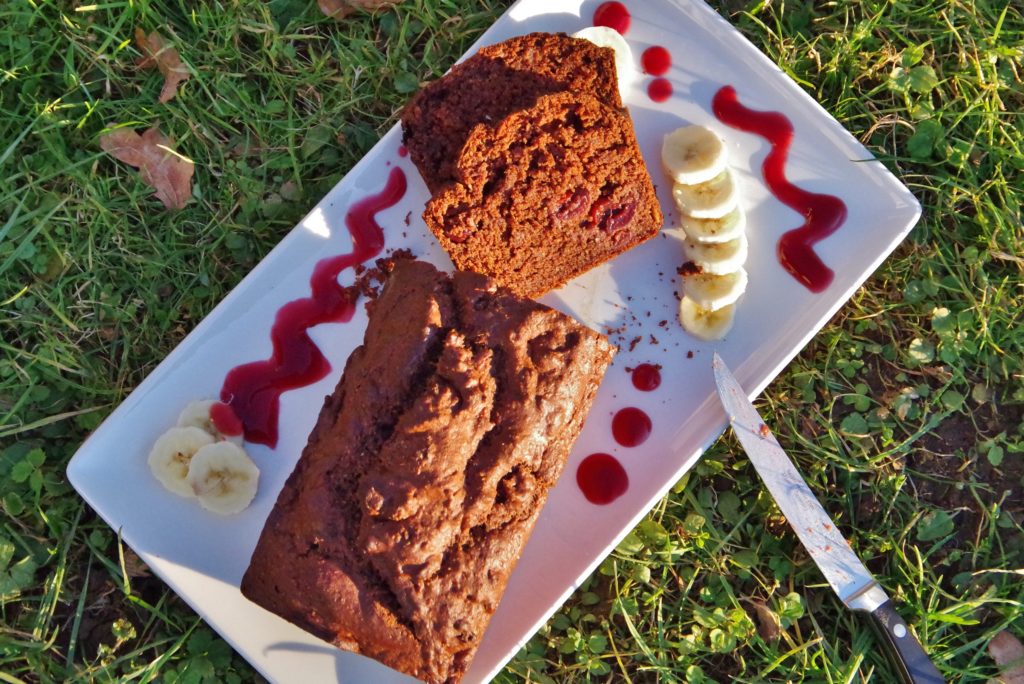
<point>900,631</point>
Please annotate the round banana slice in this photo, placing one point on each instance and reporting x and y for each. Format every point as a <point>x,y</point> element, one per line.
<point>223,477</point>
<point>197,414</point>
<point>712,292</point>
<point>171,455</point>
<point>717,258</point>
<point>708,200</point>
<point>693,154</point>
<point>724,229</point>
<point>602,36</point>
<point>703,323</point>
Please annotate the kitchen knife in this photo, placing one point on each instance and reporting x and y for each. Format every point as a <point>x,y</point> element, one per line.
<point>848,577</point>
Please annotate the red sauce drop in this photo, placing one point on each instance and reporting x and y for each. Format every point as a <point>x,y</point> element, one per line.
<point>647,377</point>
<point>403,151</point>
<point>631,427</point>
<point>225,419</point>
<point>602,478</point>
<point>656,60</point>
<point>614,15</point>
<point>823,214</point>
<point>254,389</point>
<point>660,89</point>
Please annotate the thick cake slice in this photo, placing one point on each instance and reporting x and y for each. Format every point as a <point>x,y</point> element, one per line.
<point>546,194</point>
<point>493,83</point>
<point>396,533</point>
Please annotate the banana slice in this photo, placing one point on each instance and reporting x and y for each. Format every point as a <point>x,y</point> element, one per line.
<point>223,477</point>
<point>693,154</point>
<point>171,455</point>
<point>713,292</point>
<point>197,414</point>
<point>724,229</point>
<point>703,323</point>
<point>602,36</point>
<point>717,258</point>
<point>708,200</point>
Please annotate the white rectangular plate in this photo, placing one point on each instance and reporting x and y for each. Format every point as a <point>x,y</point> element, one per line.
<point>202,556</point>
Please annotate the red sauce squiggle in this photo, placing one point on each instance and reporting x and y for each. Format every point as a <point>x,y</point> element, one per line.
<point>823,214</point>
<point>225,420</point>
<point>254,389</point>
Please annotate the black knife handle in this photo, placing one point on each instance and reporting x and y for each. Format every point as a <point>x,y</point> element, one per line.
<point>905,651</point>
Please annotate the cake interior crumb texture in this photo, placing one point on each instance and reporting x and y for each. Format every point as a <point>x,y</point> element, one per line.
<point>493,83</point>
<point>397,531</point>
<point>546,194</point>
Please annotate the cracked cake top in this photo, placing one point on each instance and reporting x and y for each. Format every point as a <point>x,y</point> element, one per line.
<point>397,531</point>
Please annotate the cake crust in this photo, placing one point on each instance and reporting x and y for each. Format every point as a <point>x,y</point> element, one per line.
<point>397,531</point>
<point>493,83</point>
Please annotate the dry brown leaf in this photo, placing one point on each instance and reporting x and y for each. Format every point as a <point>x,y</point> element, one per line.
<point>133,565</point>
<point>768,625</point>
<point>160,166</point>
<point>156,52</point>
<point>341,8</point>
<point>1008,653</point>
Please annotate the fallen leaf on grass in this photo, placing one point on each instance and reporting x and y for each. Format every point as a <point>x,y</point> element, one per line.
<point>1008,653</point>
<point>768,626</point>
<point>290,191</point>
<point>133,565</point>
<point>161,167</point>
<point>156,52</point>
<point>338,9</point>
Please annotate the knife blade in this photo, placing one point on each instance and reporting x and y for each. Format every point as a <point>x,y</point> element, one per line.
<point>843,570</point>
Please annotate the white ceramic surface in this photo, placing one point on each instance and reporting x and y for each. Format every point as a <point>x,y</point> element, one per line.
<point>202,556</point>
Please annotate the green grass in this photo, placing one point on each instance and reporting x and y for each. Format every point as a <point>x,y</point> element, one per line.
<point>905,413</point>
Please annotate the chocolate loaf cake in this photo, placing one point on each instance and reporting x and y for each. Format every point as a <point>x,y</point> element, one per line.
<point>548,193</point>
<point>397,531</point>
<point>496,81</point>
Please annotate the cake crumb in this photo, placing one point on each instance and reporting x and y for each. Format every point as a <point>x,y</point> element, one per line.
<point>688,268</point>
<point>370,280</point>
